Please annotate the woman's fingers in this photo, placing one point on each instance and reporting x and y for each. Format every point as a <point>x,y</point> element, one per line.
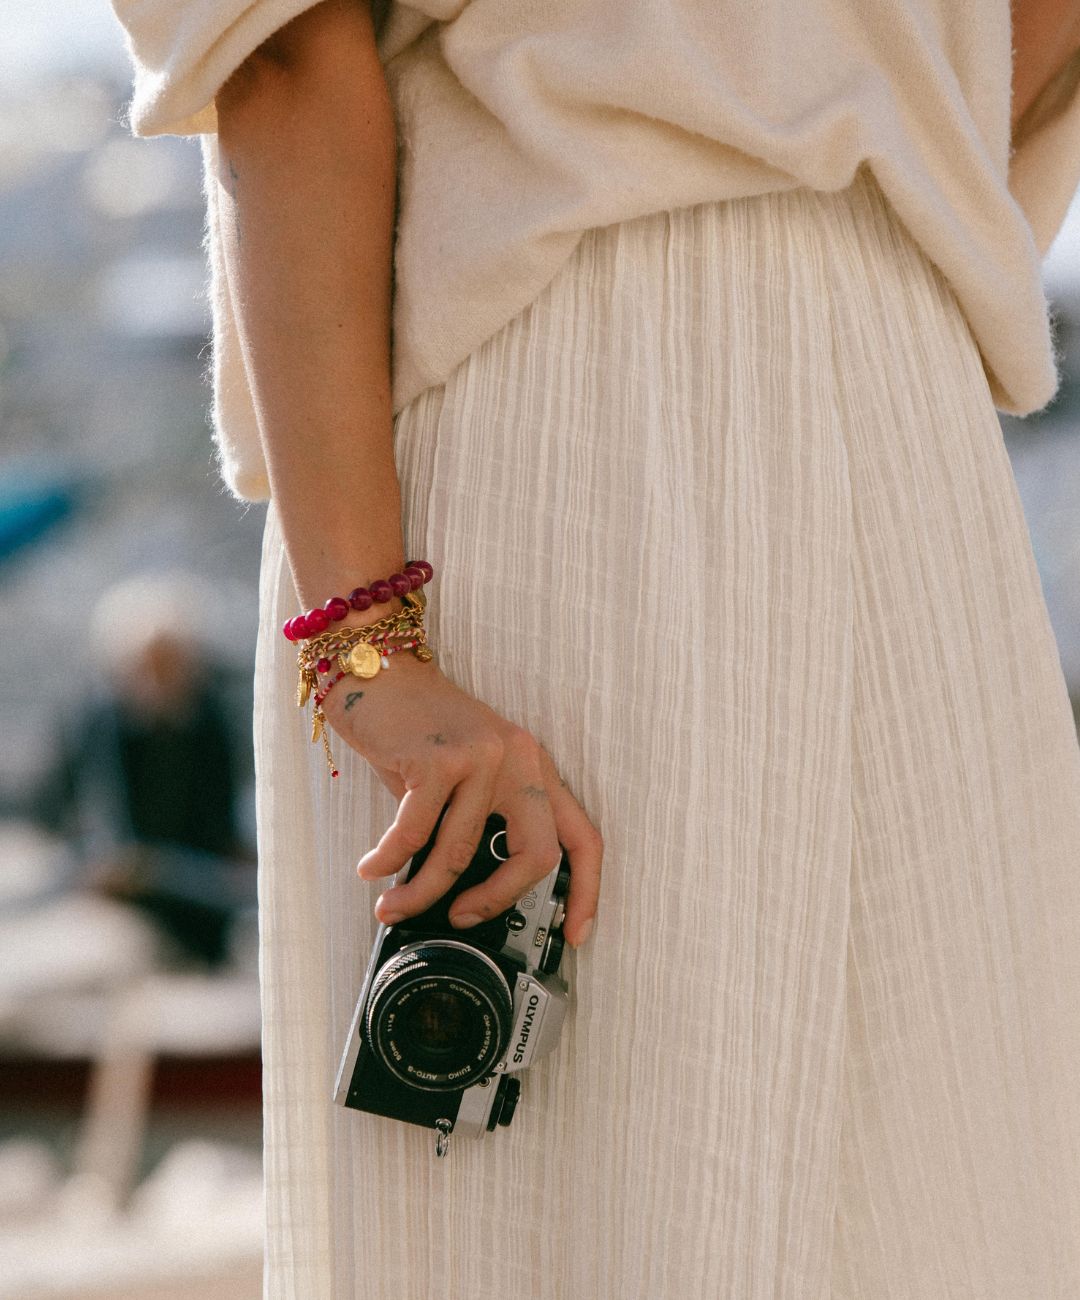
<point>542,818</point>
<point>585,850</point>
<point>534,853</point>
<point>453,850</point>
<point>411,828</point>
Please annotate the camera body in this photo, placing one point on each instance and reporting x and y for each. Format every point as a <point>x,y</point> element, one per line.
<point>448,1019</point>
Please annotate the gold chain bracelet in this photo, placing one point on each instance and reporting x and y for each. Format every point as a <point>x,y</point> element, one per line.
<point>356,650</point>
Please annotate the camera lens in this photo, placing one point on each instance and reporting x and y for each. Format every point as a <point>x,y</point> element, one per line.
<point>439,1016</point>
<point>436,1019</point>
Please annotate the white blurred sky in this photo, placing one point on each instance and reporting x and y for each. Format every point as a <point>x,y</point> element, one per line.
<point>38,36</point>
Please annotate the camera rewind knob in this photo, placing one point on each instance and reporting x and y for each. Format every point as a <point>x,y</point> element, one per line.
<point>553,951</point>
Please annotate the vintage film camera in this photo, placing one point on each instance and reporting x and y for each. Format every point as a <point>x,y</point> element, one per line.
<point>448,1019</point>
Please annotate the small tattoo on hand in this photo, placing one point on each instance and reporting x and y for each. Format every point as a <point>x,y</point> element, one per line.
<point>437,738</point>
<point>535,791</point>
<point>351,699</point>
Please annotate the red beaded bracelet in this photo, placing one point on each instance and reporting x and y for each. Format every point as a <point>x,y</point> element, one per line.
<point>315,621</point>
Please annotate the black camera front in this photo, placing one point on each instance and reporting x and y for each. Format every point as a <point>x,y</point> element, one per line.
<point>446,1018</point>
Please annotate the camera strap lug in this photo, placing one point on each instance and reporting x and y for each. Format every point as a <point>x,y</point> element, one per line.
<point>442,1136</point>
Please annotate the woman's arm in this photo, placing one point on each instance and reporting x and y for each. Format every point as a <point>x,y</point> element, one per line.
<point>308,154</point>
<point>1046,34</point>
<point>307,146</point>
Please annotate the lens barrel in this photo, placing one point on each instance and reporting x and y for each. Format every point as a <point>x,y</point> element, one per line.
<point>439,1016</point>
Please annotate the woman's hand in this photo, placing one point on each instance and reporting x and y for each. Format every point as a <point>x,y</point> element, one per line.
<point>428,740</point>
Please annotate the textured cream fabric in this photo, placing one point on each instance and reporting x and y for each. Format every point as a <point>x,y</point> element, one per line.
<point>725,518</point>
<point>522,124</point>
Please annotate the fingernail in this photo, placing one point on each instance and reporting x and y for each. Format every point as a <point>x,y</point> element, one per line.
<point>586,930</point>
<point>387,917</point>
<point>464,919</point>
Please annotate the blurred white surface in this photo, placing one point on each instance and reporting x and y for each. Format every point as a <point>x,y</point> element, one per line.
<point>194,1225</point>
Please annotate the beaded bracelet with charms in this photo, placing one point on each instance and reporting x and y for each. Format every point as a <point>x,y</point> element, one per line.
<point>414,575</point>
<point>360,651</point>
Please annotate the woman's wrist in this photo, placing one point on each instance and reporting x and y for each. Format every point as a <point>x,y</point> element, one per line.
<point>333,547</point>
<point>382,599</point>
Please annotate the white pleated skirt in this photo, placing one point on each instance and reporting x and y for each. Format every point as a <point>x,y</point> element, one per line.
<point>726,520</point>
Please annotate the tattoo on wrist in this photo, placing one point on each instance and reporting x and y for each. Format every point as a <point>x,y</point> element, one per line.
<point>351,699</point>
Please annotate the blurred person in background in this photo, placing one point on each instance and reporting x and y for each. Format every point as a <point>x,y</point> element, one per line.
<point>144,781</point>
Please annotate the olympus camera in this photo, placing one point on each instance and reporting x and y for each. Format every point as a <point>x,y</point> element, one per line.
<point>448,1019</point>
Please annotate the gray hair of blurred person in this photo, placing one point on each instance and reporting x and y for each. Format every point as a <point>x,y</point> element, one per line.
<point>148,637</point>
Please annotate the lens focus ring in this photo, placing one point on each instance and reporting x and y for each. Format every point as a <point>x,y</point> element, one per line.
<point>439,1016</point>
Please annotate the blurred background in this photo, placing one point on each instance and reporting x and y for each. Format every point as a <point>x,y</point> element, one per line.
<point>130,1127</point>
<point>130,1124</point>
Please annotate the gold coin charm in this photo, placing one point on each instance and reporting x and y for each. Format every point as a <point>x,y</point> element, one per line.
<point>364,660</point>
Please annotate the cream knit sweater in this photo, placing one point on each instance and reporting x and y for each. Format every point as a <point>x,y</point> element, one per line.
<point>522,123</point>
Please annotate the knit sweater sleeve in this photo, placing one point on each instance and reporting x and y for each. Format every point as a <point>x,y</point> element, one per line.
<point>182,51</point>
<point>1044,164</point>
